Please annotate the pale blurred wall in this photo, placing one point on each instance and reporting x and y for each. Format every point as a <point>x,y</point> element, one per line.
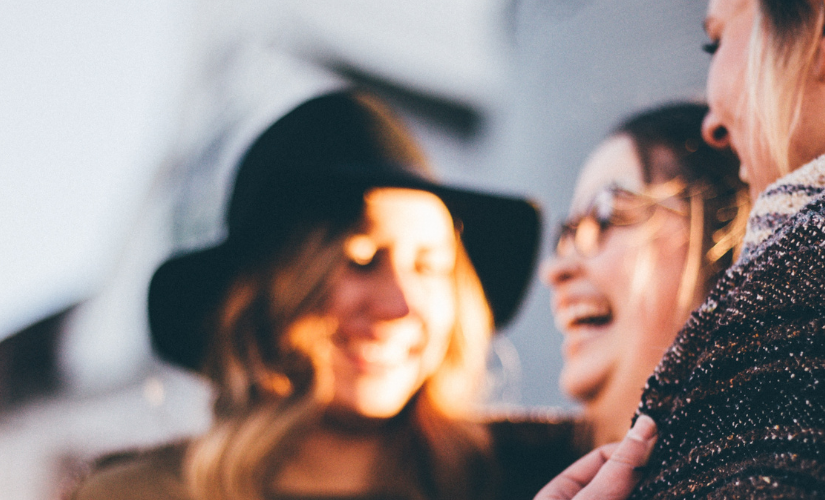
<point>89,103</point>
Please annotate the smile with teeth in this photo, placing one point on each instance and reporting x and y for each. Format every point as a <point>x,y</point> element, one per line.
<point>374,356</point>
<point>583,314</point>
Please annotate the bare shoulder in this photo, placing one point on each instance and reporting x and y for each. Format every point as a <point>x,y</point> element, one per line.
<point>136,475</point>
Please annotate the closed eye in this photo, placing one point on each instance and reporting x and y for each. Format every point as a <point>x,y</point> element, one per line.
<point>361,264</point>
<point>361,252</point>
<point>435,263</point>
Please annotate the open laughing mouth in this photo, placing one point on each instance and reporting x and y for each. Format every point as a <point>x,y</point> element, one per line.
<point>580,315</point>
<point>582,322</point>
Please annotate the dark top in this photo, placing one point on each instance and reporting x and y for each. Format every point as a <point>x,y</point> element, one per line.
<point>739,399</point>
<point>529,451</point>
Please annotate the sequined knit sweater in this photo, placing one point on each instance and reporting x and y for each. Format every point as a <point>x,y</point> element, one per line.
<point>739,398</point>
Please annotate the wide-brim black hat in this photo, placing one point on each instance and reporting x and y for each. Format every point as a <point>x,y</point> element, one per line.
<point>310,158</point>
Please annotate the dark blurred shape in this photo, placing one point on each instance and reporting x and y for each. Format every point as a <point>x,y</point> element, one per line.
<point>464,120</point>
<point>28,361</point>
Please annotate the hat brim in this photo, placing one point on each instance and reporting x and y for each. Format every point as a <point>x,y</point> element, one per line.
<point>500,233</point>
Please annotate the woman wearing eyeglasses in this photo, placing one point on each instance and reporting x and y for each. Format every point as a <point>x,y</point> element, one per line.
<point>656,216</point>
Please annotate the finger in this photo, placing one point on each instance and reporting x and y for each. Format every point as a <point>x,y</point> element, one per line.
<point>619,475</point>
<point>567,484</point>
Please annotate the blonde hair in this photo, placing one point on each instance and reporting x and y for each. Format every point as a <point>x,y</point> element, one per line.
<point>783,44</point>
<point>267,382</point>
<point>708,255</point>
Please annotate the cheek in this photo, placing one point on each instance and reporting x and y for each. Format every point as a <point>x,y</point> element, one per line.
<point>613,270</point>
<point>646,280</point>
<point>340,297</point>
<point>658,296</point>
<point>442,316</point>
<point>348,297</point>
<point>726,84</point>
<point>439,320</point>
<point>434,301</point>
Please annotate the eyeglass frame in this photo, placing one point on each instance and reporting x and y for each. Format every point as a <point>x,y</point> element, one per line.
<point>656,197</point>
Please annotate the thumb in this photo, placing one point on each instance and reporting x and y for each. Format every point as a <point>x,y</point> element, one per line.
<point>619,475</point>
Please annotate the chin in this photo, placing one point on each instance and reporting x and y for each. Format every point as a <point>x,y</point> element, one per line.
<point>363,411</point>
<point>580,384</point>
<point>380,411</point>
<point>375,404</point>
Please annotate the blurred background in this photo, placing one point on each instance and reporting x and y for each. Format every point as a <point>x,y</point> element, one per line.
<point>117,120</point>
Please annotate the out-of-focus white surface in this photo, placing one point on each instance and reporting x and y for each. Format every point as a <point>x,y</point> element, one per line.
<point>89,94</point>
<point>453,49</point>
<point>40,443</point>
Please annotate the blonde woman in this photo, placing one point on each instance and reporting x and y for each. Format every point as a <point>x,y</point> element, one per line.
<point>344,322</point>
<point>738,398</point>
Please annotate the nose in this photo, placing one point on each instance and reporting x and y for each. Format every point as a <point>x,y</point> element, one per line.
<point>560,269</point>
<point>390,296</point>
<point>714,132</point>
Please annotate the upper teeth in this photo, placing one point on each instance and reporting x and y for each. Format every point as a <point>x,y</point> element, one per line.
<point>569,315</point>
<point>385,353</point>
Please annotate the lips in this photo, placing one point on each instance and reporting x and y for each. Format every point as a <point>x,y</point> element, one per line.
<point>582,321</point>
<point>574,315</point>
<point>370,357</point>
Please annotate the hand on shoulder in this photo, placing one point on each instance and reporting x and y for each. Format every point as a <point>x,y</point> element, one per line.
<point>609,472</point>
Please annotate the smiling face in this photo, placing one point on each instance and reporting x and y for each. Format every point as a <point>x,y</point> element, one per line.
<point>616,306</point>
<point>393,304</point>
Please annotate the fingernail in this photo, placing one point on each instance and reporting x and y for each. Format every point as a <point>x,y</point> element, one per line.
<point>643,430</point>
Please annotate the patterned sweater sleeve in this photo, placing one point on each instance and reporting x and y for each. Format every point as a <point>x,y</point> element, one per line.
<point>740,397</point>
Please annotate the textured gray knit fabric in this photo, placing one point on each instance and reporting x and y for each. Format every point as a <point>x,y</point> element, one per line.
<point>740,396</point>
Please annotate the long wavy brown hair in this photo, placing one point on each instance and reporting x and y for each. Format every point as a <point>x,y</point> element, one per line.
<point>269,376</point>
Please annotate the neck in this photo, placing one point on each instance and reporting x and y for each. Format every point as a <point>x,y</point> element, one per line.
<point>610,413</point>
<point>337,457</point>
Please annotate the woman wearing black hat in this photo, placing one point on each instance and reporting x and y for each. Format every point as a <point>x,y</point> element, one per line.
<point>344,322</point>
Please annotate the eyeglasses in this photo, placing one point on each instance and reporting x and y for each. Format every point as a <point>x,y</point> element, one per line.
<point>616,206</point>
